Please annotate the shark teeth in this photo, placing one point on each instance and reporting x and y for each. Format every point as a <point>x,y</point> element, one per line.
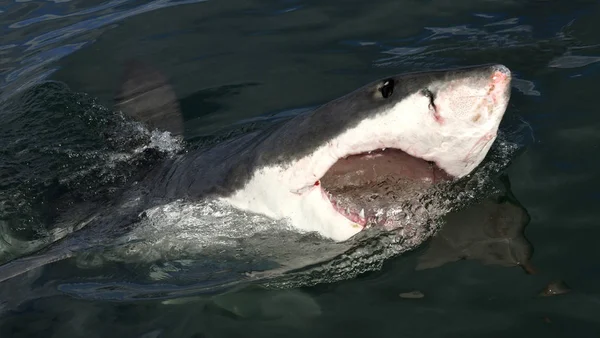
<point>352,214</point>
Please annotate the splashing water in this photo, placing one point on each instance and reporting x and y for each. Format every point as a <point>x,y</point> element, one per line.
<point>81,153</point>
<point>180,238</point>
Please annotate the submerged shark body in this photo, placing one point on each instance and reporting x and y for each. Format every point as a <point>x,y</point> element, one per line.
<point>336,170</point>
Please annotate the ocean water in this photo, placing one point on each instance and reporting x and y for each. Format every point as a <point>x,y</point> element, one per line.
<point>236,66</point>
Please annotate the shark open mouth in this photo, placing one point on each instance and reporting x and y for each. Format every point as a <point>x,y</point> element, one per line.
<point>374,157</point>
<point>363,186</point>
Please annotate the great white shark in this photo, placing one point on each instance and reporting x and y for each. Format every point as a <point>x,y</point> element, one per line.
<point>334,170</point>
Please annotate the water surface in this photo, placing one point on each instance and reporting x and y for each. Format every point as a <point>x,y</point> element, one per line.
<point>232,60</point>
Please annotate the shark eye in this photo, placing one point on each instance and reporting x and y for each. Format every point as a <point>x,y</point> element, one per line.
<point>429,94</point>
<point>387,88</point>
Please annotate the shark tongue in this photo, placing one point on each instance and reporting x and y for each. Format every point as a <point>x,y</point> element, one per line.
<point>364,184</point>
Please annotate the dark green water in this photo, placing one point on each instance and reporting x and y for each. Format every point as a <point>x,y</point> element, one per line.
<point>234,60</point>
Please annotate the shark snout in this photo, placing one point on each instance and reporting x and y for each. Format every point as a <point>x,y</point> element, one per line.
<point>500,77</point>
<point>501,73</point>
<point>500,84</point>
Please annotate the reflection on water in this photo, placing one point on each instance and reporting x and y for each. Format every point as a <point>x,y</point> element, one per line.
<point>573,61</point>
<point>491,232</point>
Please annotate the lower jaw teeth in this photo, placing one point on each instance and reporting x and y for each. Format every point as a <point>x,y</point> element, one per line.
<point>354,215</point>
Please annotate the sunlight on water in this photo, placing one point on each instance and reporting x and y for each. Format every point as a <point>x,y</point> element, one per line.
<point>32,61</point>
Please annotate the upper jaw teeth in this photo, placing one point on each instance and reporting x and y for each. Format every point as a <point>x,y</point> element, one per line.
<point>362,213</point>
<point>380,149</point>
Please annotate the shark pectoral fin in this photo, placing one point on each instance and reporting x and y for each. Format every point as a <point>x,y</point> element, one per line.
<point>146,96</point>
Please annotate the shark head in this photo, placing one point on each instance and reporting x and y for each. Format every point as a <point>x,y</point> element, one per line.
<point>333,169</point>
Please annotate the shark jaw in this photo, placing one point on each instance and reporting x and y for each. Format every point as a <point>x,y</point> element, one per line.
<point>409,133</point>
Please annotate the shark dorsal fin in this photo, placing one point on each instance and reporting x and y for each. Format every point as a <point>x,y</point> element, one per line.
<point>146,96</point>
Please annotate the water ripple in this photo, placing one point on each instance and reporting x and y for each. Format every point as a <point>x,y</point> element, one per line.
<point>39,53</point>
<point>47,17</point>
<point>573,61</point>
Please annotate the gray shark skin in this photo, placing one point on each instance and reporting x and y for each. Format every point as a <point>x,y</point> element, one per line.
<point>446,118</point>
<point>189,176</point>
